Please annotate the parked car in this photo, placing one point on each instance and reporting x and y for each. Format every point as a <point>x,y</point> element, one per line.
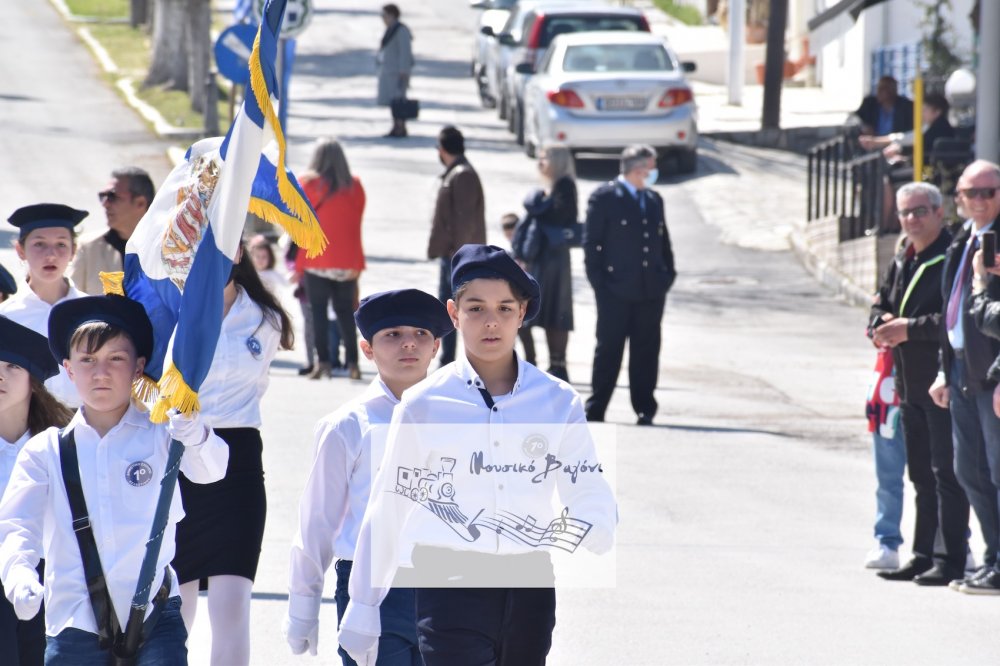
<point>601,91</point>
<point>546,21</point>
<point>494,17</point>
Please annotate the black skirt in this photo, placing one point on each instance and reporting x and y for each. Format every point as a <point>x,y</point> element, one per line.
<point>223,526</point>
<point>552,270</point>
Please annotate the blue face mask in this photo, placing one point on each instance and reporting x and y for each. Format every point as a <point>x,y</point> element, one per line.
<point>650,180</point>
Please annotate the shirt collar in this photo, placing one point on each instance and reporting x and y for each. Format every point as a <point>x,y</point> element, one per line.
<point>14,447</point>
<point>471,379</point>
<point>136,415</point>
<point>628,186</point>
<point>377,389</point>
<point>73,292</point>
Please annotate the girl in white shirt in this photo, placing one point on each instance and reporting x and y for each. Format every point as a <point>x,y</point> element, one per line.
<point>26,409</point>
<point>476,455</point>
<point>219,540</point>
<point>103,342</point>
<point>46,242</point>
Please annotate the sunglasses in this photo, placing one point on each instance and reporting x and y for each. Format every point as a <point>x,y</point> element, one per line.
<point>918,211</point>
<point>107,195</point>
<point>979,192</point>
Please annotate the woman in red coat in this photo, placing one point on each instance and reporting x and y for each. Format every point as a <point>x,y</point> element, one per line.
<point>339,201</point>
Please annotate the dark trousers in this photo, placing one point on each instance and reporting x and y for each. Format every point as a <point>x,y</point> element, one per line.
<point>397,646</point>
<point>485,626</point>
<point>22,642</point>
<point>320,291</point>
<point>639,322</point>
<point>448,342</point>
<point>942,507</point>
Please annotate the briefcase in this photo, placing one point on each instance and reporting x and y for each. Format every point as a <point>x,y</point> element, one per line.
<point>405,109</point>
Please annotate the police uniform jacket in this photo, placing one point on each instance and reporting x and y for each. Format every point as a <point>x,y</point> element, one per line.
<point>912,288</point>
<point>626,244</point>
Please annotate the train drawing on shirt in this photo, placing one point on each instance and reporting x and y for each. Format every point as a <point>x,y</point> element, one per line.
<point>435,491</point>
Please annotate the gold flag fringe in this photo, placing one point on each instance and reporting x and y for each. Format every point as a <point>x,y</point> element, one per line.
<point>312,235</point>
<point>301,234</point>
<point>174,394</point>
<point>113,282</point>
<point>144,389</point>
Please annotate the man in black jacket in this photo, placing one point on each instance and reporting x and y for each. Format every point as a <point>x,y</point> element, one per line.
<point>886,111</point>
<point>630,265</point>
<point>963,382</point>
<point>906,316</point>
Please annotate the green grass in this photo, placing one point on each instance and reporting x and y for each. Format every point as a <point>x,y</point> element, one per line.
<point>684,13</point>
<point>100,8</point>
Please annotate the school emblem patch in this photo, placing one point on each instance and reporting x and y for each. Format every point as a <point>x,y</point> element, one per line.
<point>139,473</point>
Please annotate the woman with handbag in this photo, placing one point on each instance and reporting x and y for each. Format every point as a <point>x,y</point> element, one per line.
<point>339,201</point>
<point>394,62</point>
<point>553,211</point>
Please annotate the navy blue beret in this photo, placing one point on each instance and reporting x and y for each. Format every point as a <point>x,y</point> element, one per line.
<point>30,350</point>
<point>38,216</point>
<point>402,307</point>
<point>119,311</point>
<point>489,261</point>
<point>8,285</point>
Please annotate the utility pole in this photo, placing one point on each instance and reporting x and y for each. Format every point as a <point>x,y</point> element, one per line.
<point>737,49</point>
<point>988,85</point>
<point>774,64</point>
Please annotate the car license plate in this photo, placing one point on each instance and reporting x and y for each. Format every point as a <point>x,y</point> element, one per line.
<point>622,103</point>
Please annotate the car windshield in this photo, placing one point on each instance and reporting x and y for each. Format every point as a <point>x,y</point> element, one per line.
<point>558,25</point>
<point>617,58</point>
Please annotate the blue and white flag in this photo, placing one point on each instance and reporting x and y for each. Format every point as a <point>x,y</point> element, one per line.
<point>178,260</point>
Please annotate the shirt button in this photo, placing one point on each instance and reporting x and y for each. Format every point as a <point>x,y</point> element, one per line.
<point>611,269</point>
<point>470,382</point>
<point>645,263</point>
<point>496,409</point>
<point>624,222</point>
<point>496,443</point>
<point>645,234</point>
<point>599,248</point>
<point>500,487</point>
<point>644,222</point>
<point>645,248</point>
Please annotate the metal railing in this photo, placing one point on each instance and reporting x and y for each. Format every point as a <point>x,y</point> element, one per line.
<point>846,184</point>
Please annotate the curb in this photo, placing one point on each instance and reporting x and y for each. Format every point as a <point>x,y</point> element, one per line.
<point>827,274</point>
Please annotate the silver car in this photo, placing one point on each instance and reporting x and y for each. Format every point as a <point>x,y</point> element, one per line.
<point>601,91</point>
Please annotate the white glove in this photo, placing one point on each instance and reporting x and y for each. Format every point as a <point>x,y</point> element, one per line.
<point>362,648</point>
<point>26,597</point>
<point>301,634</point>
<point>188,430</point>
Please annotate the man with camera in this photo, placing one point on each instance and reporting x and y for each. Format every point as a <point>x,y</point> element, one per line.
<point>906,317</point>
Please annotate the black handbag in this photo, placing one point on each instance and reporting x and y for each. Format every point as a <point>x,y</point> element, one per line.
<point>405,109</point>
<point>571,236</point>
<point>527,241</point>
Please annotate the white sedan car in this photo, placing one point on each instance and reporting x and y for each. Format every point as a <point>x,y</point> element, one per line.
<point>602,91</point>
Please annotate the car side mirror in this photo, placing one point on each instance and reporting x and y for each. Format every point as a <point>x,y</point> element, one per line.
<point>488,31</point>
<point>524,68</point>
<point>689,66</point>
<point>506,39</point>
<point>480,4</point>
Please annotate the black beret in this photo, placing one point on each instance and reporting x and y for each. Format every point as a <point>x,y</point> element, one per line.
<point>38,216</point>
<point>489,261</point>
<point>8,285</point>
<point>30,350</point>
<point>402,307</point>
<point>119,311</point>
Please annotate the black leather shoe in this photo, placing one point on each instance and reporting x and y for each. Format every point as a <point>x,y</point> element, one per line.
<point>938,576</point>
<point>595,418</point>
<point>644,420</point>
<point>908,571</point>
<point>305,371</point>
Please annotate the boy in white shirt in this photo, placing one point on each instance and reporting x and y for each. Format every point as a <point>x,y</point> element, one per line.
<point>103,342</point>
<point>401,332</point>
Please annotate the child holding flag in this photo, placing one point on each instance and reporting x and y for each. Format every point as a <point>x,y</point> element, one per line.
<point>26,409</point>
<point>401,333</point>
<point>107,460</point>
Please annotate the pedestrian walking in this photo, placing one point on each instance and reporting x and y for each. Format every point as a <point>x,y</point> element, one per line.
<point>219,539</point>
<point>401,332</point>
<point>459,216</point>
<point>508,224</point>
<point>394,62</point>
<point>494,396</point>
<point>26,409</point>
<point>630,265</point>
<point>554,210</point>
<point>46,243</point>
<point>332,276</point>
<point>108,458</point>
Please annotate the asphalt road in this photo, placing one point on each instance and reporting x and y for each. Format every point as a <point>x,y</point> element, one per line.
<point>745,513</point>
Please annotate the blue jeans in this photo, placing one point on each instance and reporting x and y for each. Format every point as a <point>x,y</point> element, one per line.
<point>164,646</point>
<point>976,432</point>
<point>397,646</point>
<point>890,465</point>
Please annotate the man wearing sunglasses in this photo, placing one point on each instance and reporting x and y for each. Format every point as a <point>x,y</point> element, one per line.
<point>125,200</point>
<point>963,382</point>
<point>906,317</point>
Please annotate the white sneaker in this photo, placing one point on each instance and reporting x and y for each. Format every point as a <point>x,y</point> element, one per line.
<point>882,557</point>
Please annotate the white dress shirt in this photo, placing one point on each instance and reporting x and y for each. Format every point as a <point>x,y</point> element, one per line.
<point>477,463</point>
<point>230,395</point>
<point>27,309</point>
<point>8,454</point>
<point>336,494</point>
<point>36,521</point>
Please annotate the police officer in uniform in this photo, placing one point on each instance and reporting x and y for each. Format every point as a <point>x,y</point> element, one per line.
<point>630,265</point>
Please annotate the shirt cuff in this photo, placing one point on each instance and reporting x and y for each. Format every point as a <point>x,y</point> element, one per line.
<point>303,607</point>
<point>362,619</point>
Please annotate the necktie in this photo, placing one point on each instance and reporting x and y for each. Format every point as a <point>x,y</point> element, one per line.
<point>958,293</point>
